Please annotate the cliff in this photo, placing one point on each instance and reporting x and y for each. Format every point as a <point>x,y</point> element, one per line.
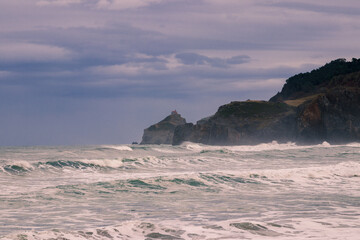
<point>322,105</point>
<point>309,111</point>
<point>163,131</point>
<point>333,116</point>
<point>237,123</point>
<point>305,84</point>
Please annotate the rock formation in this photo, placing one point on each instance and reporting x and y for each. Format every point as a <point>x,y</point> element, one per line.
<point>333,116</point>
<point>310,83</point>
<point>249,122</point>
<point>323,105</point>
<point>163,131</point>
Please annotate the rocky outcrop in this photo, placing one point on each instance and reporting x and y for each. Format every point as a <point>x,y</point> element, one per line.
<point>163,131</point>
<point>331,113</point>
<point>333,116</point>
<point>249,122</point>
<point>310,83</point>
<point>323,105</point>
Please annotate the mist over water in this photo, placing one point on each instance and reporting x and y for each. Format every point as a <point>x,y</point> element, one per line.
<point>192,191</point>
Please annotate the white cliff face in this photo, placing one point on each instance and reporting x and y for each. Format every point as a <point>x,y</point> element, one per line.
<point>163,131</point>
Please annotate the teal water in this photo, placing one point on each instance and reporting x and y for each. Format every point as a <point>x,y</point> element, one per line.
<point>192,191</point>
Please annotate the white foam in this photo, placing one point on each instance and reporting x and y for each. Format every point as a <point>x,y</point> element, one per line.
<point>325,170</point>
<point>22,164</point>
<point>119,147</point>
<point>112,163</point>
<point>264,147</point>
<point>277,146</point>
<point>194,146</point>
<point>325,144</point>
<point>164,150</point>
<point>354,144</point>
<point>325,176</point>
<point>286,229</point>
<point>274,145</point>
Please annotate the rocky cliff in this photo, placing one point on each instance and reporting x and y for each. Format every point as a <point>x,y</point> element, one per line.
<point>237,123</point>
<point>321,110</point>
<point>305,84</point>
<point>322,105</point>
<point>163,131</point>
<point>333,116</point>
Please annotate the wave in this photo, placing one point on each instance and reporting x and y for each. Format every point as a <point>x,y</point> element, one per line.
<point>344,169</point>
<point>204,168</point>
<point>238,228</point>
<point>97,164</point>
<point>354,144</point>
<point>223,181</point>
<point>260,147</point>
<point>16,167</point>
<point>190,191</point>
<point>321,177</point>
<point>121,163</point>
<point>115,147</point>
<point>330,175</point>
<point>165,150</point>
<point>172,230</point>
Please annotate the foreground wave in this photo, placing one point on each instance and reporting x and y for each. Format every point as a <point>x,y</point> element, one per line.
<point>192,191</point>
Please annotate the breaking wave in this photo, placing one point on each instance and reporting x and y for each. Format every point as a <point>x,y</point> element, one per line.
<point>183,230</point>
<point>191,191</point>
<point>115,147</point>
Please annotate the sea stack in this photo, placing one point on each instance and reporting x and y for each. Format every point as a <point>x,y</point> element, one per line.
<point>163,131</point>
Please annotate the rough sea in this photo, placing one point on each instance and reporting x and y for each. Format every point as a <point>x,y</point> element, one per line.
<point>191,191</point>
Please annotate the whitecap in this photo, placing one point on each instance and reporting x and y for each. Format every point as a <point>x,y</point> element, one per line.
<point>112,163</point>
<point>119,147</point>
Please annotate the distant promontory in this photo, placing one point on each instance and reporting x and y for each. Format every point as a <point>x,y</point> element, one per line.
<point>163,131</point>
<point>321,105</point>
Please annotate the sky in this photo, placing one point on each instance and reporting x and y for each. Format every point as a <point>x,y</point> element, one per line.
<point>78,72</point>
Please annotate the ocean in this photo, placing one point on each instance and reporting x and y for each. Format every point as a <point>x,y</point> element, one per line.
<point>191,191</point>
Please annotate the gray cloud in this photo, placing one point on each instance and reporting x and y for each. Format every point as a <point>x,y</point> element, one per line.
<point>197,59</point>
<point>321,7</point>
<point>83,68</point>
<point>238,59</point>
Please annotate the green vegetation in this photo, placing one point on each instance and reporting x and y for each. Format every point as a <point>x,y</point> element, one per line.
<point>303,84</point>
<point>252,109</point>
<point>351,80</point>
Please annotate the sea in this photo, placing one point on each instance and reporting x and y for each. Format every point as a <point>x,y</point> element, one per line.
<point>191,191</point>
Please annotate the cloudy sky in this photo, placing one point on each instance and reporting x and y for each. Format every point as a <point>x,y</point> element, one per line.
<point>100,71</point>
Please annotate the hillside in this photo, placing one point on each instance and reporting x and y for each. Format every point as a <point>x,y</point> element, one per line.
<point>310,83</point>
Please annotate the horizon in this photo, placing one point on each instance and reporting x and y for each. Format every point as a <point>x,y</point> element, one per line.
<point>76,72</point>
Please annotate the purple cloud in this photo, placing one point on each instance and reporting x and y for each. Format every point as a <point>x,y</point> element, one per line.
<point>62,61</point>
